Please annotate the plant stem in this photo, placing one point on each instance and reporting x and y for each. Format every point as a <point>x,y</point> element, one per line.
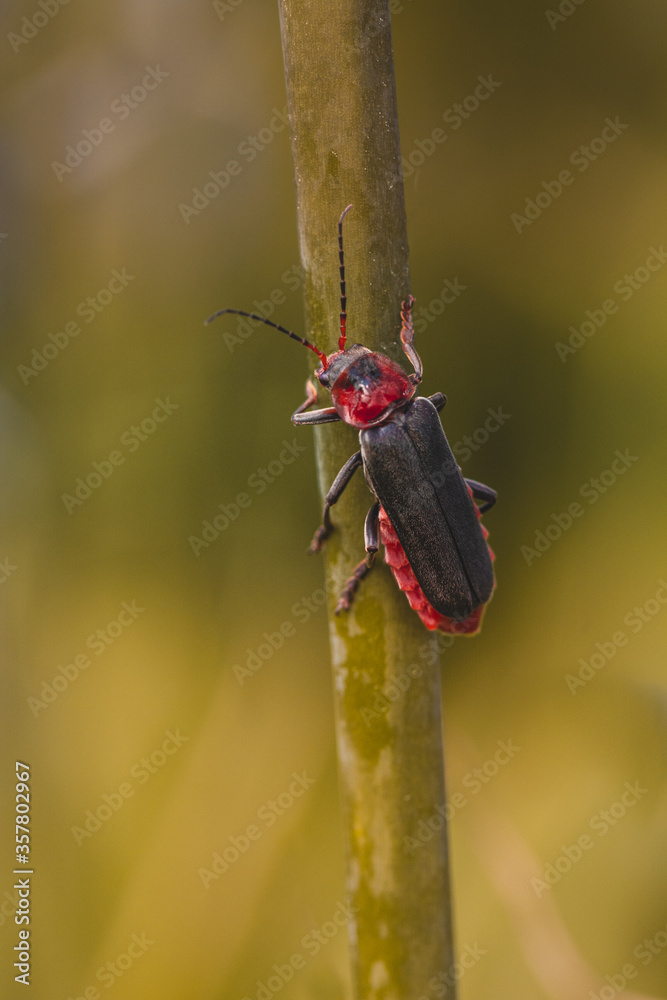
<point>344,127</point>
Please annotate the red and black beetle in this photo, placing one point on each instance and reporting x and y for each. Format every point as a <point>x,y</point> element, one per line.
<point>425,512</point>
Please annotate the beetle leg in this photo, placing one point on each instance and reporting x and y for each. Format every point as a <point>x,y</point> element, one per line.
<point>483,493</point>
<point>372,541</point>
<point>326,416</point>
<point>438,399</point>
<point>407,338</point>
<point>310,400</point>
<point>300,416</point>
<point>334,494</point>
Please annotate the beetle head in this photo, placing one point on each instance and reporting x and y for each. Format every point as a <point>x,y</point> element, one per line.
<point>365,387</point>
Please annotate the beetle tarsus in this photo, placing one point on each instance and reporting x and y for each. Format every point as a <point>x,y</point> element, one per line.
<point>319,538</point>
<point>350,588</point>
<point>310,400</point>
<point>485,494</point>
<point>407,339</point>
<point>372,541</point>
<point>337,487</point>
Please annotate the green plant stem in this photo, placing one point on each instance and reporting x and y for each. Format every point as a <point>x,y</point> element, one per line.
<point>344,127</point>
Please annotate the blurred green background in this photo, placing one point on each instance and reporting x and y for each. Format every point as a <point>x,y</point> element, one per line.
<point>204,85</point>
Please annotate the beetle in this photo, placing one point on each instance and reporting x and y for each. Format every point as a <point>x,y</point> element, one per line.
<point>425,513</point>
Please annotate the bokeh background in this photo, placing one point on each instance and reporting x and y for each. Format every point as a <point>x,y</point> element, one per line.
<point>225,405</point>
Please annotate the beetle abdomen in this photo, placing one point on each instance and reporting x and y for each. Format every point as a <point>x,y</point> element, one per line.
<point>413,473</point>
<point>396,559</point>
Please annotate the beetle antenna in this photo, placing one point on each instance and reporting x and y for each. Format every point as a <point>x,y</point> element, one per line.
<point>343,296</point>
<point>306,343</point>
